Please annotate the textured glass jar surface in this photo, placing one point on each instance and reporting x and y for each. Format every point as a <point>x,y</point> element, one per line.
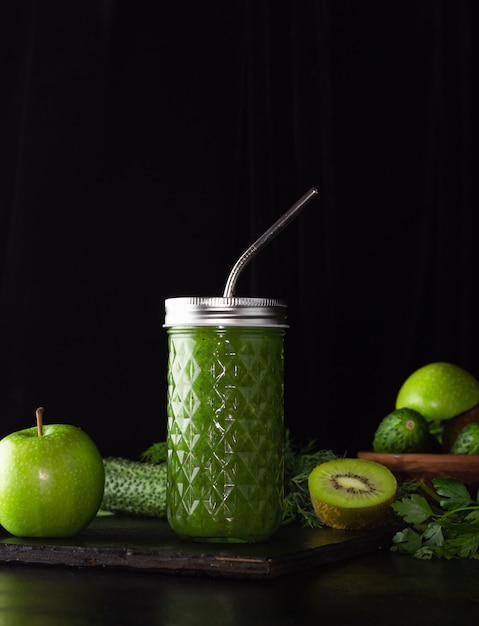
<point>225,432</point>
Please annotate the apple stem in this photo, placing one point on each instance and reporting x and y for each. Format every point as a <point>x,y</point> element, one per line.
<point>39,415</point>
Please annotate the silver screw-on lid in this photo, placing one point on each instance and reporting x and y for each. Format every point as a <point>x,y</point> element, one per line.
<point>225,311</point>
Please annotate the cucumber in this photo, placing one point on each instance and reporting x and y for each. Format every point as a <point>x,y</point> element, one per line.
<point>134,487</point>
<point>467,441</point>
<point>402,430</point>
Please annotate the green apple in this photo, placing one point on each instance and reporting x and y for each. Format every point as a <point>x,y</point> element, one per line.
<point>51,480</point>
<point>439,391</point>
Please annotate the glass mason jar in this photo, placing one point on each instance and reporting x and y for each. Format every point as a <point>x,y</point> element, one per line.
<point>225,431</point>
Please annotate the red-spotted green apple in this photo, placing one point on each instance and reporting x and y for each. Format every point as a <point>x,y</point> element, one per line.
<point>439,391</point>
<point>52,479</point>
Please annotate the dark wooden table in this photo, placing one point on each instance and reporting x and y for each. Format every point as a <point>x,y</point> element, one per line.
<point>342,584</point>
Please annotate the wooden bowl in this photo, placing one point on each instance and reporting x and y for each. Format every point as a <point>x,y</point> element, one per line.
<point>425,467</point>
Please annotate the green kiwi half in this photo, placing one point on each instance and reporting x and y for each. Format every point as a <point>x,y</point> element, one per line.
<point>352,493</point>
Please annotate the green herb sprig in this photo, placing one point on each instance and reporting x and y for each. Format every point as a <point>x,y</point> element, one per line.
<point>299,461</point>
<point>442,523</point>
<point>156,453</point>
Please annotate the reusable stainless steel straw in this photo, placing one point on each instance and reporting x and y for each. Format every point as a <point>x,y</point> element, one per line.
<point>265,238</point>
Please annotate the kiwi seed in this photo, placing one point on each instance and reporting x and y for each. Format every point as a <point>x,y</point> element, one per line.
<point>352,493</point>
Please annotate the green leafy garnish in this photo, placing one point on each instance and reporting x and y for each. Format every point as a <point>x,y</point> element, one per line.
<point>442,523</point>
<point>156,453</point>
<point>299,461</point>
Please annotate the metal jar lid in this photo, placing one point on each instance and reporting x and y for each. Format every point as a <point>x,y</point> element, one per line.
<point>225,311</point>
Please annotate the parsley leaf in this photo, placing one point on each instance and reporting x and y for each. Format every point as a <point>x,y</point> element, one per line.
<point>407,540</point>
<point>433,535</point>
<point>443,523</point>
<point>464,546</point>
<point>455,493</point>
<point>414,509</point>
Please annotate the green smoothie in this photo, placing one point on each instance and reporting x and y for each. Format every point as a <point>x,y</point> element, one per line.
<point>225,432</point>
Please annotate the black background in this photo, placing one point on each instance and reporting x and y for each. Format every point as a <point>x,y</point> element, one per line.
<point>145,145</point>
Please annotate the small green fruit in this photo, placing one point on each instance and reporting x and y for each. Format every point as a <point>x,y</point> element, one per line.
<point>467,441</point>
<point>402,430</point>
<point>352,493</point>
<point>51,480</point>
<point>439,391</point>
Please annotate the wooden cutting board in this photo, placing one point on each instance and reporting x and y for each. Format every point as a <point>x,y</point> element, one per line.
<point>138,543</point>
